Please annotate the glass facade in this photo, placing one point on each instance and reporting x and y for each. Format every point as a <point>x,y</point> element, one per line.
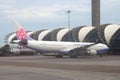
<point>115,40</point>
<point>92,36</point>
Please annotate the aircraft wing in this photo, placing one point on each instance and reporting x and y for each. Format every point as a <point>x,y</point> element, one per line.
<point>66,50</point>
<point>78,50</point>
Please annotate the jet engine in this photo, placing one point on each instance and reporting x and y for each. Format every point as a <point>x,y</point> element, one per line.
<point>94,52</point>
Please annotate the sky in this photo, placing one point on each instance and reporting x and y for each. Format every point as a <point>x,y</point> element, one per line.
<point>51,14</point>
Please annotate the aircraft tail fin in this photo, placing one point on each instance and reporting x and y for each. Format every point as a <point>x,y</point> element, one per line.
<point>20,32</point>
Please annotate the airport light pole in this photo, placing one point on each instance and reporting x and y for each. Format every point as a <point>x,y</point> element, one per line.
<point>68,12</point>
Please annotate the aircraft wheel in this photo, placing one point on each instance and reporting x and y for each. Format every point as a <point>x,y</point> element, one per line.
<point>73,56</point>
<point>59,56</point>
<point>101,55</point>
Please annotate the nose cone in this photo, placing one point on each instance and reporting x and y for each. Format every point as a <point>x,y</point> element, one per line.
<point>104,49</point>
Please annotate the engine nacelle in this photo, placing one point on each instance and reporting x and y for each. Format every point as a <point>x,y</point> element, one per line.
<point>23,51</point>
<point>15,51</point>
<point>94,52</point>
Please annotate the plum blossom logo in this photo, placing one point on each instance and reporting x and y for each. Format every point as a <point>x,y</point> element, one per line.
<point>21,34</point>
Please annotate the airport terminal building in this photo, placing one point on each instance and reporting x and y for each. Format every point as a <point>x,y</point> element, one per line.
<point>108,34</point>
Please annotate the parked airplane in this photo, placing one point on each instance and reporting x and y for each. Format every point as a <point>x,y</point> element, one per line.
<point>73,49</point>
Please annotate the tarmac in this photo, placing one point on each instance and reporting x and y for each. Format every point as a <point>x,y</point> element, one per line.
<point>51,68</point>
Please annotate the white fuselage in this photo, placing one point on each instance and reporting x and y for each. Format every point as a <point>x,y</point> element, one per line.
<point>54,46</point>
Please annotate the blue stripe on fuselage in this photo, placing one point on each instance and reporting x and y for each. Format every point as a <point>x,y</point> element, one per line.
<point>102,51</point>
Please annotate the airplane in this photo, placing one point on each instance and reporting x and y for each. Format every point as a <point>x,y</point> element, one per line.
<point>72,49</point>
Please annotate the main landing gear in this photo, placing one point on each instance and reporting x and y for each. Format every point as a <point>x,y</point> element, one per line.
<point>59,56</point>
<point>73,56</point>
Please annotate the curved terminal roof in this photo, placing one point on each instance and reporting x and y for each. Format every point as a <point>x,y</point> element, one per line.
<point>54,34</point>
<point>43,34</point>
<point>36,34</point>
<point>92,36</point>
<point>61,34</point>
<point>30,33</point>
<point>101,33</point>
<point>109,31</point>
<point>108,34</point>
<point>83,32</point>
<point>11,37</point>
